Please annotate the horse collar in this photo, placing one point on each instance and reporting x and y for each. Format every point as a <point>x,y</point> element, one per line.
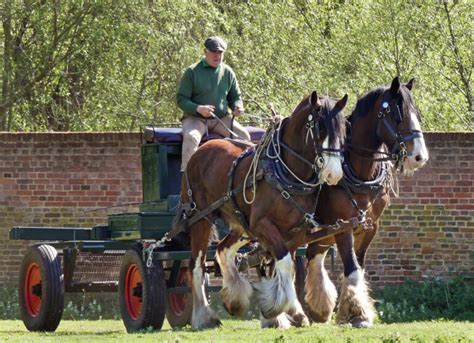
<point>357,185</point>
<point>276,176</point>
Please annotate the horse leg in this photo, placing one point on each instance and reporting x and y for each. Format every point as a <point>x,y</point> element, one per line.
<point>203,316</point>
<point>236,290</point>
<point>284,320</point>
<point>277,294</point>
<point>361,249</point>
<point>321,294</point>
<point>355,305</point>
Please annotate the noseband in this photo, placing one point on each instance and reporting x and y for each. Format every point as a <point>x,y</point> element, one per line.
<point>399,151</point>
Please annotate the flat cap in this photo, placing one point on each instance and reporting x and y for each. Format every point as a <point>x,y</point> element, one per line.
<point>215,44</point>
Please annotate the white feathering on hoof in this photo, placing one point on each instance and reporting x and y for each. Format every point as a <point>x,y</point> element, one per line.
<point>236,291</point>
<point>277,294</point>
<point>356,307</point>
<point>321,294</point>
<point>279,322</point>
<point>203,316</point>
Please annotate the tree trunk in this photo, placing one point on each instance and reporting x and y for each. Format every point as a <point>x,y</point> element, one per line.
<point>5,102</point>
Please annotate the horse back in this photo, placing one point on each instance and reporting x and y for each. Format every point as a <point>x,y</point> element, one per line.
<point>209,167</point>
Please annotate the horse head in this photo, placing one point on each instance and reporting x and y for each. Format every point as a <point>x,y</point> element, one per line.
<point>388,116</point>
<point>399,126</point>
<point>316,130</point>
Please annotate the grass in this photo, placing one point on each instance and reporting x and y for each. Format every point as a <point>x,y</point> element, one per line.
<point>243,331</point>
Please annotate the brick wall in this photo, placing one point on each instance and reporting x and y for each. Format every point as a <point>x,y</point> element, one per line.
<point>428,231</point>
<point>54,179</point>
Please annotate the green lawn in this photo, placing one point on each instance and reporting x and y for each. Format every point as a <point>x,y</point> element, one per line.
<point>242,331</point>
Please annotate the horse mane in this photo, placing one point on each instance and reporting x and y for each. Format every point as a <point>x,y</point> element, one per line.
<point>302,104</point>
<point>365,104</point>
<point>336,129</point>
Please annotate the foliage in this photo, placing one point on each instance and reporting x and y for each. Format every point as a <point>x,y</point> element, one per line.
<point>108,65</point>
<point>428,300</point>
<point>77,306</point>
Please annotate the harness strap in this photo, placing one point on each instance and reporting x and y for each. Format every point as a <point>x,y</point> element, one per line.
<point>308,220</point>
<point>231,193</point>
<point>188,218</point>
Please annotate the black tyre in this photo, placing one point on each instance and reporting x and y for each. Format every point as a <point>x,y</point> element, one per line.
<point>41,289</point>
<point>142,292</point>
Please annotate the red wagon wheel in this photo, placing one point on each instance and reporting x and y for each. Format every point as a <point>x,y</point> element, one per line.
<point>133,291</point>
<point>142,292</point>
<point>180,305</point>
<point>41,289</point>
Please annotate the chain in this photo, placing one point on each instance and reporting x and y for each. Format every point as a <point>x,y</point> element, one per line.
<point>150,247</point>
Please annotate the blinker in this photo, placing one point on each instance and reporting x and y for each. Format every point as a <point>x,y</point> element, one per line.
<point>385,105</point>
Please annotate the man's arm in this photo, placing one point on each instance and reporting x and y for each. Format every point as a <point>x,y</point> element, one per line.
<point>185,91</point>
<point>234,97</point>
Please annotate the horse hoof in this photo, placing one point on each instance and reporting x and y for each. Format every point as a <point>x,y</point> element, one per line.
<point>280,322</point>
<point>205,320</point>
<point>299,320</point>
<point>210,324</point>
<point>360,323</point>
<point>272,313</point>
<point>318,317</point>
<point>233,307</point>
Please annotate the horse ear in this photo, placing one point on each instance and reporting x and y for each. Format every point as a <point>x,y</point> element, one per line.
<point>342,103</point>
<point>395,85</point>
<point>314,100</point>
<point>410,84</point>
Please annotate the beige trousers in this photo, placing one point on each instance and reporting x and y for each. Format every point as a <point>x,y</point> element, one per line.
<point>194,128</point>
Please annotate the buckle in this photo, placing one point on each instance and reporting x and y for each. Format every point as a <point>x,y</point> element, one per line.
<point>285,195</point>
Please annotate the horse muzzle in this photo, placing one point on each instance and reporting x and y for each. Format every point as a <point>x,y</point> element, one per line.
<point>332,172</point>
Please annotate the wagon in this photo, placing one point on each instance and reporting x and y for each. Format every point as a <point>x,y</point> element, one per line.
<point>150,275</point>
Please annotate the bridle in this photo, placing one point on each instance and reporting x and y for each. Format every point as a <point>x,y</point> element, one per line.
<point>312,126</point>
<point>390,117</point>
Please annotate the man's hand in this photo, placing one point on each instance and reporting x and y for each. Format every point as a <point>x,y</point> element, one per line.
<point>205,110</point>
<point>238,110</point>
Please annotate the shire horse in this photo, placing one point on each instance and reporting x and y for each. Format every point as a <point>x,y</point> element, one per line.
<point>305,149</point>
<point>384,136</point>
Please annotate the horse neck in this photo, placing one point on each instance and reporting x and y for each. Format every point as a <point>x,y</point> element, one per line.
<point>294,134</point>
<point>364,136</point>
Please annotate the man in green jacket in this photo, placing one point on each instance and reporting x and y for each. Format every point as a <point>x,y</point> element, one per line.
<point>207,90</point>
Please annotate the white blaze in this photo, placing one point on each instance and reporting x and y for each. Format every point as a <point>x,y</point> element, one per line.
<point>331,172</point>
<point>419,155</point>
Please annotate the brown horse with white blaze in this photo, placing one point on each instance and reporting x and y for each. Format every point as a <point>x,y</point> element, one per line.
<point>384,136</point>
<point>305,151</point>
